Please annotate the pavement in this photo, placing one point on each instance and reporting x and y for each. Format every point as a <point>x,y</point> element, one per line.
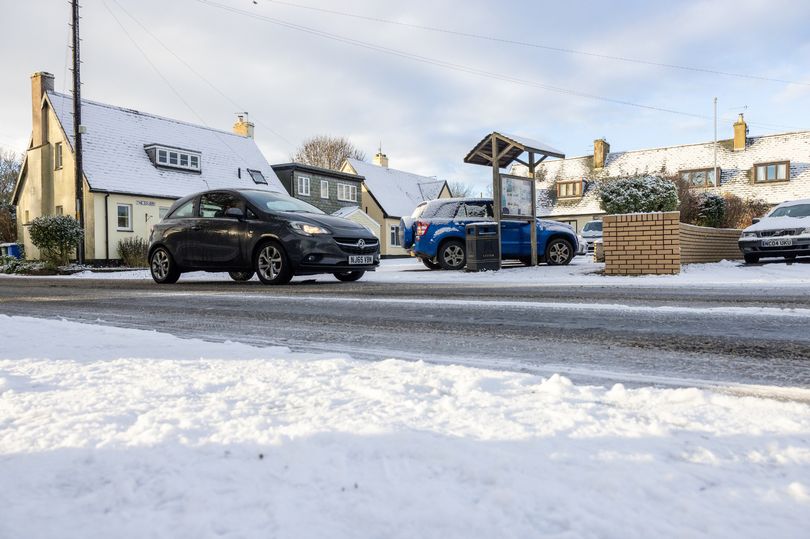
<point>751,339</point>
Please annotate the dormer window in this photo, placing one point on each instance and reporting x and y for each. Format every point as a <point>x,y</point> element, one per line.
<point>166,156</point>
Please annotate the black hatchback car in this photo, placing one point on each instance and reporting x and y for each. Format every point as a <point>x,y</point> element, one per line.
<point>247,231</point>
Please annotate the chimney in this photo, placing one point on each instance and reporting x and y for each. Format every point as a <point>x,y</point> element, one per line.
<point>41,82</point>
<point>381,159</point>
<point>601,149</point>
<point>740,133</point>
<point>243,126</point>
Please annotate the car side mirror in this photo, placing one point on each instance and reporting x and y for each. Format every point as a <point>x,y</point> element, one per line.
<point>235,213</point>
<point>755,220</point>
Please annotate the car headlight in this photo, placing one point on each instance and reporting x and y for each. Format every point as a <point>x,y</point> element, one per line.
<point>308,229</point>
<point>749,234</point>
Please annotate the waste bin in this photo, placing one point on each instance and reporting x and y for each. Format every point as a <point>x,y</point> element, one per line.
<point>482,247</point>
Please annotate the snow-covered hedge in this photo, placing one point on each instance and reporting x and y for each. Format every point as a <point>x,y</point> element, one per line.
<point>56,236</point>
<point>638,195</point>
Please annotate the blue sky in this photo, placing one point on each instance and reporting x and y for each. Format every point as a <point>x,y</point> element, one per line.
<point>427,117</point>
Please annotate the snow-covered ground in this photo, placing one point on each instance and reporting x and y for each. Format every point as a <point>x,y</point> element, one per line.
<point>109,432</point>
<point>582,271</point>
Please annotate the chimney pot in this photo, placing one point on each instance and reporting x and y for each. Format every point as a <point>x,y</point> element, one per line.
<point>380,159</point>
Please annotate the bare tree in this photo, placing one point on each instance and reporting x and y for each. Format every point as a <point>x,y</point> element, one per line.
<point>461,189</point>
<point>10,163</point>
<point>326,152</point>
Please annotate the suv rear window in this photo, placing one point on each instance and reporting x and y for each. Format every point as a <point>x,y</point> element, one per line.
<point>593,226</point>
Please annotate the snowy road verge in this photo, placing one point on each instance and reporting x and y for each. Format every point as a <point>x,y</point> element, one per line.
<point>115,432</point>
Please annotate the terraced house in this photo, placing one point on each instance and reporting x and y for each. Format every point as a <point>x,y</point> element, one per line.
<point>135,166</point>
<point>773,168</point>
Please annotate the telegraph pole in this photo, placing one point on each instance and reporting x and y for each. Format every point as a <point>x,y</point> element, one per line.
<point>716,174</point>
<point>77,128</point>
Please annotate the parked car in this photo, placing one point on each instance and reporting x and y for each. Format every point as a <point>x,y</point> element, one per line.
<point>435,233</point>
<point>591,232</point>
<point>247,231</point>
<point>783,232</point>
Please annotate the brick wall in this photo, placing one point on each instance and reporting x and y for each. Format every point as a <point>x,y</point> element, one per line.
<point>642,243</point>
<point>702,245</point>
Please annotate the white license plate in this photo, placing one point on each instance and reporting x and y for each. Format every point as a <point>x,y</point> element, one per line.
<point>364,260</point>
<point>784,242</point>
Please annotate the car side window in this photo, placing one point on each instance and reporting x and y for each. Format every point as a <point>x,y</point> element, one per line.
<point>446,211</point>
<point>477,210</point>
<point>216,204</point>
<point>251,214</point>
<point>186,210</point>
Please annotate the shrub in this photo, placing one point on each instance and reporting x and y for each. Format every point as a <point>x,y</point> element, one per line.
<point>638,195</point>
<point>56,236</point>
<point>132,252</point>
<point>688,201</point>
<point>712,210</point>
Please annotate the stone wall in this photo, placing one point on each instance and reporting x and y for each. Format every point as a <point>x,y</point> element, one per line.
<point>703,245</point>
<point>642,243</point>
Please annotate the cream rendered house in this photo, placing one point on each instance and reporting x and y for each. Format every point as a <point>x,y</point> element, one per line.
<point>135,166</point>
<point>389,194</point>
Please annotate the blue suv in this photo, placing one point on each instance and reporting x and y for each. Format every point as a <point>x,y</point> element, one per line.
<point>435,233</point>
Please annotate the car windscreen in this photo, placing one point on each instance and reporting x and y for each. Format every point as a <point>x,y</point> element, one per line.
<point>269,201</point>
<point>593,226</point>
<point>797,210</point>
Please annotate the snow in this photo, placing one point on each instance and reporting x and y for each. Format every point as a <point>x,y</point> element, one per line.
<point>398,192</point>
<point>124,133</point>
<point>581,272</point>
<point>117,432</point>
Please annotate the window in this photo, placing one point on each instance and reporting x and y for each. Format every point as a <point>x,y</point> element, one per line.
<point>475,210</point>
<point>60,210</point>
<point>174,157</point>
<point>257,176</point>
<point>57,159</point>
<point>214,205</point>
<point>124,217</point>
<point>569,189</point>
<point>303,186</point>
<point>394,236</point>
<point>184,211</point>
<point>162,211</point>
<point>702,177</point>
<point>324,189</point>
<point>346,192</point>
<point>772,172</point>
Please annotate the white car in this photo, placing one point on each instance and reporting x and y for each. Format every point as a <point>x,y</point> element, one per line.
<point>783,232</point>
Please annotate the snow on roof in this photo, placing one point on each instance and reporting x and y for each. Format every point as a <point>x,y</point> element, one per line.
<point>532,143</point>
<point>115,159</point>
<point>346,211</point>
<point>397,191</point>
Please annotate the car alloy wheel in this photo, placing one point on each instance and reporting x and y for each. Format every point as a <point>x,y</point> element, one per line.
<point>559,253</point>
<point>162,267</point>
<point>271,264</point>
<point>452,255</point>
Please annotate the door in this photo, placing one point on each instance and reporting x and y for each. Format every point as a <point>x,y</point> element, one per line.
<point>512,242</point>
<point>180,236</point>
<point>218,242</point>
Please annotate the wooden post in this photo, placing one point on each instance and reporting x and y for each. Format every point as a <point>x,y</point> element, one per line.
<point>533,223</point>
<point>496,192</point>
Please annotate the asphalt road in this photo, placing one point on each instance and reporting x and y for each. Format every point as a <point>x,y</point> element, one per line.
<point>636,335</point>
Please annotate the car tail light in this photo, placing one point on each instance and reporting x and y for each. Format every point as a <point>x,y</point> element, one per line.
<point>421,228</point>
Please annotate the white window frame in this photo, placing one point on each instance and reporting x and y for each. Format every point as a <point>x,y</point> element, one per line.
<point>393,237</point>
<point>347,192</point>
<point>58,156</point>
<point>302,186</point>
<point>324,188</point>
<point>118,226</point>
<point>164,154</point>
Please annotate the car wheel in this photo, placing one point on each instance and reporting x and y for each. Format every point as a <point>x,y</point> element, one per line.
<point>452,256</point>
<point>559,252</point>
<point>241,276</point>
<point>751,259</point>
<point>429,264</point>
<point>163,268</point>
<point>272,265</point>
<point>348,276</point>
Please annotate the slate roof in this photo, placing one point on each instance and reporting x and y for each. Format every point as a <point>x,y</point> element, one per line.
<point>398,192</point>
<point>735,170</point>
<point>115,159</point>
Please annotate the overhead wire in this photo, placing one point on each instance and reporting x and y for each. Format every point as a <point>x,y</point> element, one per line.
<point>553,48</point>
